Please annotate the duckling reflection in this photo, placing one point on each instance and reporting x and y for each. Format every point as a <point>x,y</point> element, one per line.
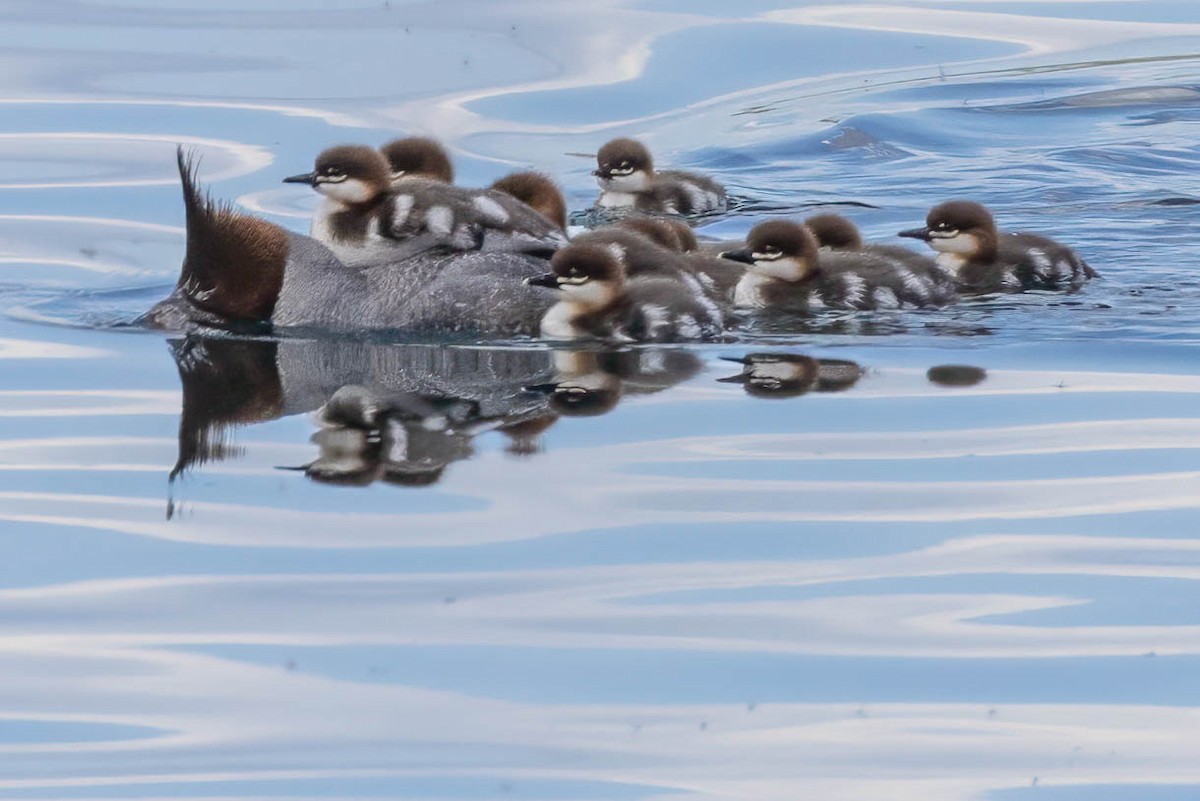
<point>349,456</point>
<point>591,382</point>
<point>370,436</point>
<point>525,437</point>
<point>789,375</point>
<point>837,375</point>
<point>400,414</point>
<point>956,375</point>
<point>430,391</point>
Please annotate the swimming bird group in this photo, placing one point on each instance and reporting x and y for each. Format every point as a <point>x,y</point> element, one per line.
<point>395,244</point>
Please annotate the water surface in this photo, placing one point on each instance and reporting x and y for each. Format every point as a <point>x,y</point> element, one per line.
<point>591,574</point>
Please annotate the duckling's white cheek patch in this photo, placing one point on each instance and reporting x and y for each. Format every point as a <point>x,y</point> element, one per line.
<point>634,182</point>
<point>776,371</point>
<point>785,269</point>
<point>348,191</point>
<point>595,381</point>
<point>963,244</point>
<point>592,293</point>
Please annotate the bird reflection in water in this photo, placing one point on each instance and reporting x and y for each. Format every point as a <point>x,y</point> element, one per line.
<point>401,413</point>
<point>956,375</point>
<point>369,436</point>
<point>788,375</point>
<point>590,382</point>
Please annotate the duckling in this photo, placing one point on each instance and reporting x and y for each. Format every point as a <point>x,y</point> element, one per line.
<point>985,260</point>
<point>537,192</point>
<point>787,375</point>
<point>243,271</point>
<point>600,300</point>
<point>788,270</point>
<point>364,220</point>
<point>835,232</point>
<point>525,436</point>
<point>956,375</point>
<point>418,157</point>
<point>717,276</point>
<point>641,255</point>
<point>671,234</point>
<point>627,179</point>
<point>774,375</point>
<point>657,253</point>
<point>589,381</point>
<point>583,386</point>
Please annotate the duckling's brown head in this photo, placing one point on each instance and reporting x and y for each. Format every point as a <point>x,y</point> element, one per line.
<point>537,192</point>
<point>671,234</point>
<point>418,157</point>
<point>624,165</point>
<point>778,249</point>
<point>350,174</point>
<point>591,276</point>
<point>960,227</point>
<point>834,232</point>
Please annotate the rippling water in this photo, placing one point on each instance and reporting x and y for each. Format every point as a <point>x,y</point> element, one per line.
<point>584,574</point>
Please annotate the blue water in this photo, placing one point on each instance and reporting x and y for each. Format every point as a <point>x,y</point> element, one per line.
<point>667,587</point>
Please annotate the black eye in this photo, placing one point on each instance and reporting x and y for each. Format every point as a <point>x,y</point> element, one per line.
<point>624,164</point>
<point>574,271</point>
<point>770,249</point>
<point>333,171</point>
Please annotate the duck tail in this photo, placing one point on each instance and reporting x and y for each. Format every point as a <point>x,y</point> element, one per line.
<point>233,263</point>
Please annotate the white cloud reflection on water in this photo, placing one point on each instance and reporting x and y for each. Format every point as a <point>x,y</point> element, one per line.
<point>233,722</point>
<point>597,607</point>
<point>515,49</point>
<point>76,159</point>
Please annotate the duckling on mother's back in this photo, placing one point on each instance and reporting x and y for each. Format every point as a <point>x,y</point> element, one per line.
<point>240,270</point>
<point>366,217</point>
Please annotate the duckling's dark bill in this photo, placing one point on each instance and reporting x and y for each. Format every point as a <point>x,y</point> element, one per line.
<point>309,178</point>
<point>745,256</point>
<point>548,280</point>
<point>916,233</point>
